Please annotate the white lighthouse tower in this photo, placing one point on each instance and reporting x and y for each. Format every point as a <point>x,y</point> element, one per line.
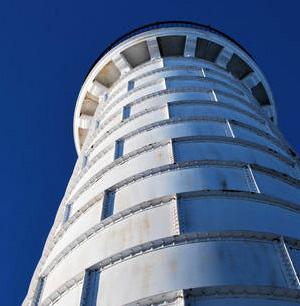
<point>184,191</point>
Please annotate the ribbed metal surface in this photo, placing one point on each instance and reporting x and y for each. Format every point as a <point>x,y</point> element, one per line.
<point>184,193</point>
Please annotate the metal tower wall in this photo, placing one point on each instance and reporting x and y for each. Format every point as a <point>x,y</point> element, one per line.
<point>184,192</point>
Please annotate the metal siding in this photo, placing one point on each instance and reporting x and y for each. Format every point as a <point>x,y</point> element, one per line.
<point>213,214</point>
<point>191,265</point>
<point>183,180</point>
<point>276,187</point>
<point>139,228</point>
<point>195,150</point>
<point>188,185</point>
<point>240,301</point>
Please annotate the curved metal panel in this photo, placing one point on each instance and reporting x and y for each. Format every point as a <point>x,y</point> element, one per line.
<point>214,214</point>
<point>191,265</point>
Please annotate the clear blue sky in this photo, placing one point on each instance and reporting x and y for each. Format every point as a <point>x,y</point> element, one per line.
<point>47,47</point>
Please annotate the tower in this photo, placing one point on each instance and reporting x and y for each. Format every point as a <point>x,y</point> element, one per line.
<point>184,191</point>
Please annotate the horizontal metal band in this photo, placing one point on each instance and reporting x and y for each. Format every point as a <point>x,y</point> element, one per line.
<point>259,198</point>
<point>258,117</point>
<point>189,164</point>
<point>116,162</point>
<point>110,101</point>
<point>198,64</point>
<point>264,292</point>
<point>164,92</point>
<point>172,241</point>
<point>54,296</point>
<point>148,127</point>
<point>105,223</point>
<point>111,104</point>
<point>160,93</point>
<point>227,78</point>
<point>123,159</point>
<point>190,119</point>
<point>236,141</point>
<point>151,109</point>
<point>221,105</point>
<point>79,172</point>
<point>204,163</point>
<point>166,298</point>
<point>196,68</point>
<point>239,90</point>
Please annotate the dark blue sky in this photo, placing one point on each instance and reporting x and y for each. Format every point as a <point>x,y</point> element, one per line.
<point>47,47</point>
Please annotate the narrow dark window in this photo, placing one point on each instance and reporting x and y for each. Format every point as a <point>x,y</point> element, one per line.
<point>119,146</point>
<point>67,212</point>
<point>126,112</point>
<point>108,204</point>
<point>130,85</point>
<point>90,288</point>
<point>38,291</point>
<point>84,161</point>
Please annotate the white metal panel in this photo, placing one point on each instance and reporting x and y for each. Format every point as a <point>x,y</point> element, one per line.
<point>166,73</point>
<point>173,130</point>
<point>246,134</point>
<point>295,257</point>
<point>71,297</point>
<point>240,301</point>
<point>139,163</point>
<point>132,125</point>
<point>273,186</point>
<point>136,73</point>
<point>136,229</point>
<point>181,180</point>
<point>109,123</point>
<point>201,83</point>
<point>212,110</point>
<point>213,214</point>
<point>195,62</point>
<point>191,265</point>
<point>196,150</point>
<point>102,162</point>
<point>83,223</point>
<point>231,100</point>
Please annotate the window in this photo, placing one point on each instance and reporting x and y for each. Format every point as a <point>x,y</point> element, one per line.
<point>238,67</point>
<point>84,161</point>
<point>260,94</point>
<point>130,85</point>
<point>171,45</point>
<point>119,146</point>
<point>126,112</point>
<point>137,54</point>
<point>67,213</point>
<point>207,50</point>
<point>109,74</point>
<point>108,204</point>
<point>90,287</point>
<point>38,291</point>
